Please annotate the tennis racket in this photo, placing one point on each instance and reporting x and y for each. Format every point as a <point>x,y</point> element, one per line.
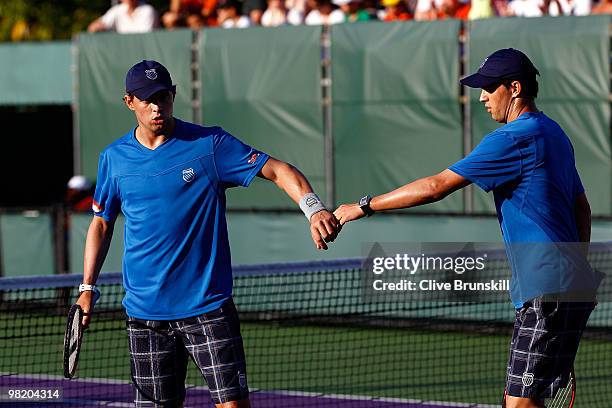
<point>564,398</point>
<point>73,336</point>
<point>72,340</point>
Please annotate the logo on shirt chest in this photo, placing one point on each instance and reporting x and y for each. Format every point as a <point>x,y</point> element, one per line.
<point>188,175</point>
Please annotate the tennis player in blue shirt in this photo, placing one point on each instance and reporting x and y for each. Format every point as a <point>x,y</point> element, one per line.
<point>529,165</point>
<point>168,177</point>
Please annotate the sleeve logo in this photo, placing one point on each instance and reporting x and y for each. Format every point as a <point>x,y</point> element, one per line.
<point>253,158</point>
<point>96,207</point>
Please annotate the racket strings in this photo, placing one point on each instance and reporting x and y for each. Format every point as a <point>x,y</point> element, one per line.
<point>563,396</point>
<point>562,399</point>
<point>72,341</point>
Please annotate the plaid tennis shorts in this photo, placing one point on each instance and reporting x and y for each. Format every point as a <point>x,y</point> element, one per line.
<point>159,352</point>
<point>544,345</point>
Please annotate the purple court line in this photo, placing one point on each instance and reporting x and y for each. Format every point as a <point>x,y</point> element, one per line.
<point>114,393</point>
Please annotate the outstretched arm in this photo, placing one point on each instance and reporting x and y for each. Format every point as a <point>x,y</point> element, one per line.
<point>323,225</point>
<point>422,191</point>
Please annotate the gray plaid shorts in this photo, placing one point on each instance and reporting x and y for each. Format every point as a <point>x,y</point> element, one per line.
<point>159,352</point>
<point>544,345</point>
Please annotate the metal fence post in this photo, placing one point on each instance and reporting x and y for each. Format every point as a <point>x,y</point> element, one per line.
<point>76,135</point>
<point>196,84</point>
<point>464,68</point>
<point>328,140</point>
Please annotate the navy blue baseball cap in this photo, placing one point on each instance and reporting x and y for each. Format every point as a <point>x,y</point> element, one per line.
<point>506,63</point>
<point>146,78</point>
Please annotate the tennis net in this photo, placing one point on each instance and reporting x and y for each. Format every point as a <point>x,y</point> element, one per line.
<point>310,338</point>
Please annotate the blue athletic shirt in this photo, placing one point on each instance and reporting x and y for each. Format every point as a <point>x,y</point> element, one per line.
<point>177,261</point>
<point>529,165</point>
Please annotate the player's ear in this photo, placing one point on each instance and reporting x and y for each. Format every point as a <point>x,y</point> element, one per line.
<point>516,88</point>
<point>129,101</point>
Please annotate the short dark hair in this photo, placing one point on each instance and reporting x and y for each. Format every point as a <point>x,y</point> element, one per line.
<point>529,86</point>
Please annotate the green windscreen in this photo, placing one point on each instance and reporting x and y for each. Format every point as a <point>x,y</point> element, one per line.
<point>27,244</point>
<point>35,73</point>
<point>263,86</point>
<point>396,115</point>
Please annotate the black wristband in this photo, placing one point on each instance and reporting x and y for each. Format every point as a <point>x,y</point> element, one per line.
<point>364,204</point>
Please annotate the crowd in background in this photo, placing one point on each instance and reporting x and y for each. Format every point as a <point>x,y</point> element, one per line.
<point>132,16</point>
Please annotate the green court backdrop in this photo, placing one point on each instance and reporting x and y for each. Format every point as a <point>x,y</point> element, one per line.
<point>36,73</point>
<point>27,244</point>
<point>396,115</point>
<point>263,86</point>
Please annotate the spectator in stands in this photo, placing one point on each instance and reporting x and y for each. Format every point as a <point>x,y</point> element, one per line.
<point>441,9</point>
<point>253,9</point>
<point>526,8</point>
<point>395,10</point>
<point>481,9</point>
<point>603,7</point>
<point>501,8</point>
<point>371,7</point>
<point>567,7</point>
<point>453,9</point>
<point>79,194</point>
<point>131,16</point>
<point>324,14</point>
<point>426,9</point>
<point>228,15</point>
<point>275,15</point>
<point>190,13</point>
<point>353,10</point>
<point>297,9</point>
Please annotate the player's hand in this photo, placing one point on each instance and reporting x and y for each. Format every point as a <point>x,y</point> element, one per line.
<point>324,227</point>
<point>86,303</point>
<point>348,212</point>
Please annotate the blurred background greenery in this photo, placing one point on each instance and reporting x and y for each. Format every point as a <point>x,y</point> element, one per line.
<point>43,20</point>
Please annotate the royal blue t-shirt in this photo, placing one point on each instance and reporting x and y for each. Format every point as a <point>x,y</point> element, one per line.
<point>529,165</point>
<point>177,259</point>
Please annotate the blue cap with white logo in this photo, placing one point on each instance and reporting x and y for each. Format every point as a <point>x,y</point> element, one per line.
<point>146,78</point>
<point>506,63</point>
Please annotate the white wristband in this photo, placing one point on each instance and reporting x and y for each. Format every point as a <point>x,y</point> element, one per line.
<point>311,204</point>
<point>84,287</point>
